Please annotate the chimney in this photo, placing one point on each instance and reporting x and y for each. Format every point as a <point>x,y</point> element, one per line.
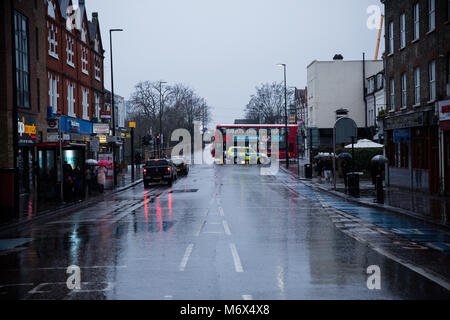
<point>338,57</point>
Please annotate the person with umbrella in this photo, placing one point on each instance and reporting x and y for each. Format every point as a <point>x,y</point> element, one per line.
<point>101,176</point>
<point>376,167</point>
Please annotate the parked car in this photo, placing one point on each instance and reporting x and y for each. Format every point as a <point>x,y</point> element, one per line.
<point>158,170</point>
<point>181,165</point>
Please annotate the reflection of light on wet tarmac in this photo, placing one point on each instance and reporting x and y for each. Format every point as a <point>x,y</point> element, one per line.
<point>170,207</point>
<point>280,280</point>
<point>30,209</point>
<point>159,220</point>
<point>74,245</point>
<point>146,207</point>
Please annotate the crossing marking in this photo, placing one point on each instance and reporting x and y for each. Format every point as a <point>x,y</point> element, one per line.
<point>222,214</point>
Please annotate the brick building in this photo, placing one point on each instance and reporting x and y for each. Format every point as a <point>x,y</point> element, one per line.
<point>417,82</point>
<point>75,57</point>
<point>23,96</point>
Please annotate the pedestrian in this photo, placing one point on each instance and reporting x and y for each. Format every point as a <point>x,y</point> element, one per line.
<point>101,177</point>
<point>345,170</point>
<point>327,170</point>
<point>68,181</point>
<point>89,177</point>
<point>320,168</point>
<point>77,182</point>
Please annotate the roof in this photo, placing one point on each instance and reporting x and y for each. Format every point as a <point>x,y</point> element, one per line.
<point>63,5</point>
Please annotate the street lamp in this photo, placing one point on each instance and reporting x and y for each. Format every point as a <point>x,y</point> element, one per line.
<point>160,115</point>
<point>113,111</point>
<point>285,115</point>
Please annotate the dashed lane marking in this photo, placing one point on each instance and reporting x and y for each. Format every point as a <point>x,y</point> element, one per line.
<point>185,259</point>
<point>236,259</point>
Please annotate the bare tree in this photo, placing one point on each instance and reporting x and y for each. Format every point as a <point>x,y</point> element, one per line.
<point>182,106</point>
<point>267,104</point>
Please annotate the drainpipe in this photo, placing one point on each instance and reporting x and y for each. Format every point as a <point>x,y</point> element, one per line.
<point>364,91</point>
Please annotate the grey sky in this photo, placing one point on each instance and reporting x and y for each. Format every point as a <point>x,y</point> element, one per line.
<point>224,48</point>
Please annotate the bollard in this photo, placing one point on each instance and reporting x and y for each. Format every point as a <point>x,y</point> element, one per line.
<point>380,191</point>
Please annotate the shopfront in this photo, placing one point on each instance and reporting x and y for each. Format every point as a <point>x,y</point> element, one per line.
<point>444,125</point>
<point>412,149</point>
<point>75,134</point>
<point>26,156</point>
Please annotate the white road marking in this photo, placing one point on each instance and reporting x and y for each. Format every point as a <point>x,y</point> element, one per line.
<point>168,297</point>
<point>186,257</point>
<point>226,227</point>
<point>222,214</point>
<point>200,228</point>
<point>237,261</point>
<point>247,297</point>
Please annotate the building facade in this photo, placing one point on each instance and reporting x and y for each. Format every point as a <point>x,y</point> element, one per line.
<point>334,85</point>
<point>75,96</point>
<point>417,81</point>
<point>376,104</point>
<point>22,97</point>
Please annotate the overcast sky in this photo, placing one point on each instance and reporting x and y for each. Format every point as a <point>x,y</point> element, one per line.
<point>224,48</point>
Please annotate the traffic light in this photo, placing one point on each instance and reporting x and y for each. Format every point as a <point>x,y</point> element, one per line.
<point>158,139</point>
<point>143,141</point>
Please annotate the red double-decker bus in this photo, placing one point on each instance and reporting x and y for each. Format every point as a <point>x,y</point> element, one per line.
<point>227,131</point>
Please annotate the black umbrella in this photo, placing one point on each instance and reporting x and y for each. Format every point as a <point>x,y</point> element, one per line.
<point>344,155</point>
<point>379,158</point>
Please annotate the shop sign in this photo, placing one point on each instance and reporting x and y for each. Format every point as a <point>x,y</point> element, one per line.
<point>76,137</point>
<point>402,136</point>
<point>94,144</point>
<point>52,137</point>
<point>444,110</point>
<point>74,125</point>
<point>105,114</point>
<point>52,125</point>
<point>405,121</point>
<point>26,127</point>
<point>100,128</point>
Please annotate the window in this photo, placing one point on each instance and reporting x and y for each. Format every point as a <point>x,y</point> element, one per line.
<point>53,93</point>
<point>416,21</point>
<point>22,72</point>
<point>37,42</point>
<point>379,81</point>
<point>401,155</point>
<point>97,106</point>
<point>97,68</point>
<point>371,88</point>
<point>85,104</point>
<point>70,100</point>
<point>69,51</point>
<point>404,90</point>
<point>432,79</point>
<point>431,15</point>
<point>391,37</point>
<point>417,86</point>
<point>84,60</point>
<point>392,94</point>
<point>402,31</point>
<point>38,94</point>
<point>52,43</point>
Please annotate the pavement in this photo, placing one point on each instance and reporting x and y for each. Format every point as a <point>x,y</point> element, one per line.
<point>431,208</point>
<point>225,233</point>
<point>32,209</point>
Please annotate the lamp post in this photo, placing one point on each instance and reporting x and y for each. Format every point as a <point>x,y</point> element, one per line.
<point>113,111</point>
<point>285,116</point>
<point>160,116</point>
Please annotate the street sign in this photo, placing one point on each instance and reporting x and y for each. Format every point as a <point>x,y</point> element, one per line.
<point>345,129</point>
<point>94,144</point>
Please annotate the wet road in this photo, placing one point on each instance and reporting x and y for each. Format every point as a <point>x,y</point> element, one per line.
<point>223,232</point>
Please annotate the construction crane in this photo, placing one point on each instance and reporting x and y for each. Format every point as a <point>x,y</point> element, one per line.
<point>379,36</point>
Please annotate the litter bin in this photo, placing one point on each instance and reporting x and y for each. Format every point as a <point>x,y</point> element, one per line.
<point>308,171</point>
<point>353,184</point>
